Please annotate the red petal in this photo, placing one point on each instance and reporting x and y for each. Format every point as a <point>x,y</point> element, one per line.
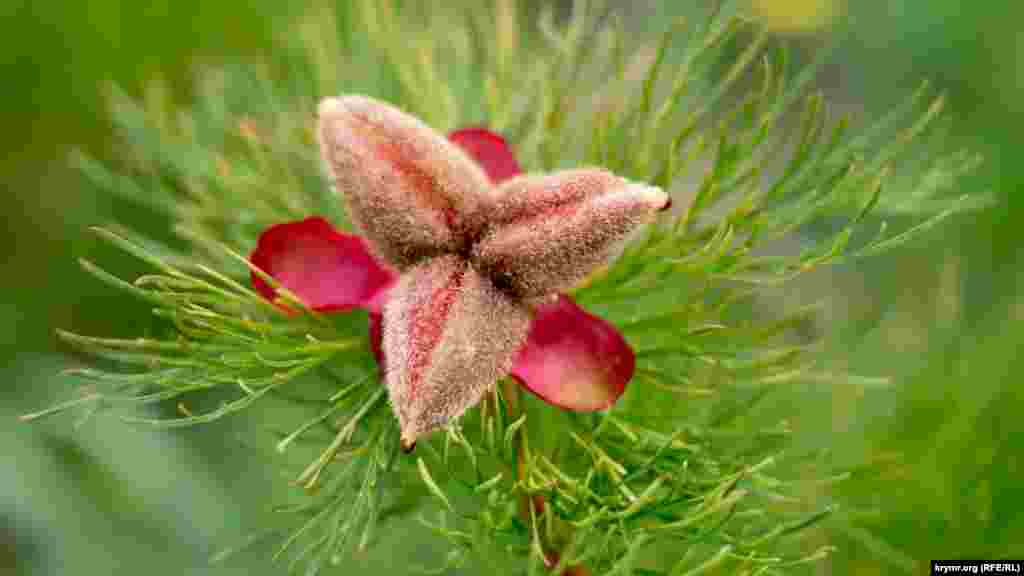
<point>328,270</point>
<point>550,231</point>
<point>490,150</point>
<point>574,359</point>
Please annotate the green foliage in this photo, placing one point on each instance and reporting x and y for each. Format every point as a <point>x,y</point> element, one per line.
<point>678,478</point>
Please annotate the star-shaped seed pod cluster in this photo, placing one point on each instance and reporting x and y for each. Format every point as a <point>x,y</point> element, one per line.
<point>476,259</point>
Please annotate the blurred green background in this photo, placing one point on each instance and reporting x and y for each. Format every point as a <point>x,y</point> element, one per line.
<point>937,457</point>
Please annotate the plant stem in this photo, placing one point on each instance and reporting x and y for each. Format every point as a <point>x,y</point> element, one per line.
<point>531,506</point>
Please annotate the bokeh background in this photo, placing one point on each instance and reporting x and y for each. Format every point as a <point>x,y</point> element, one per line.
<point>937,457</point>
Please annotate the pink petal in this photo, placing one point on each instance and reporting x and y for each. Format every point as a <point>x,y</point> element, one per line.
<point>490,150</point>
<point>412,192</point>
<point>449,334</point>
<point>550,231</point>
<point>574,359</point>
<point>327,270</point>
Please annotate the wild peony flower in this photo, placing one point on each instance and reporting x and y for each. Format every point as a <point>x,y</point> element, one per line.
<point>474,255</point>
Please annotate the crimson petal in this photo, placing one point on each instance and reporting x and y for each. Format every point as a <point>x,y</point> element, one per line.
<point>327,270</point>
<point>573,359</point>
<point>490,150</point>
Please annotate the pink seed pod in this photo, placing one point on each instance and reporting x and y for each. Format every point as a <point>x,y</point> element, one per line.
<point>478,260</point>
<point>549,232</point>
<point>412,192</point>
<point>449,334</point>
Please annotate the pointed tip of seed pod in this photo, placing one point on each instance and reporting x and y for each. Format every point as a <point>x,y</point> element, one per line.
<point>407,445</point>
<point>328,106</point>
<point>653,196</point>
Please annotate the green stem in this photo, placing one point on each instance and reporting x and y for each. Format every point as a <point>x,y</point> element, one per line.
<point>530,506</point>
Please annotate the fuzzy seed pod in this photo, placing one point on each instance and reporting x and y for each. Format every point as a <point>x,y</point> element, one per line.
<point>551,231</point>
<point>448,336</point>
<point>413,193</point>
<point>476,260</point>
